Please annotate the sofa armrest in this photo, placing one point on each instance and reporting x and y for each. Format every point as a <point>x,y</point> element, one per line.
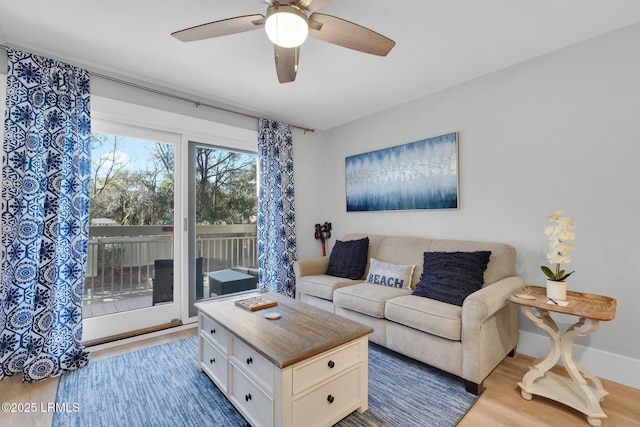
<point>489,328</point>
<point>488,300</point>
<point>311,266</point>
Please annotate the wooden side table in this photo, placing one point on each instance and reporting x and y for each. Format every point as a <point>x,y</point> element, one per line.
<point>582,390</point>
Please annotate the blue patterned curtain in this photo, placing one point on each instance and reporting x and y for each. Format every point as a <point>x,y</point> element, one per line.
<point>45,217</point>
<point>276,213</point>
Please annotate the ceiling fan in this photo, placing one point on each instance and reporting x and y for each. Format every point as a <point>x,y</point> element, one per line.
<point>287,25</point>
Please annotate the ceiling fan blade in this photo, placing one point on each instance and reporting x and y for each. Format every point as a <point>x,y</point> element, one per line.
<point>347,34</point>
<point>224,27</point>
<point>286,62</point>
<point>312,5</point>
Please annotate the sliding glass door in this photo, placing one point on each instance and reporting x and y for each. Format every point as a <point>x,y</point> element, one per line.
<point>130,282</point>
<point>147,237</point>
<point>222,222</point>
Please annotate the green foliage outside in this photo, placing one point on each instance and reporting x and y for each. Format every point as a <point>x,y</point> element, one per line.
<point>225,185</point>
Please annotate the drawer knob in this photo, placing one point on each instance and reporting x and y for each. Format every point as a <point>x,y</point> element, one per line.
<point>212,360</point>
<point>213,331</point>
<point>331,364</point>
<point>247,397</point>
<point>330,399</point>
<point>249,360</point>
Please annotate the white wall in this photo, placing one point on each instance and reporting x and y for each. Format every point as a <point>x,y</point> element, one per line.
<point>309,165</point>
<point>103,87</point>
<point>559,132</point>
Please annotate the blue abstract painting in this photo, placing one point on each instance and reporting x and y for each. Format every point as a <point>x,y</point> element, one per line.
<point>418,175</point>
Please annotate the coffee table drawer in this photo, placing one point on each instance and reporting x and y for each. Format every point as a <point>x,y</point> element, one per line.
<point>214,363</point>
<point>325,366</point>
<point>328,401</point>
<point>250,360</point>
<point>253,402</point>
<point>214,331</point>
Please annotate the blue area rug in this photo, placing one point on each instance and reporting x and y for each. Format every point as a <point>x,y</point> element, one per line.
<point>162,386</point>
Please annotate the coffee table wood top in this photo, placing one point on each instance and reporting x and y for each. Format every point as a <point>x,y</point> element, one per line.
<point>301,332</point>
<point>590,306</point>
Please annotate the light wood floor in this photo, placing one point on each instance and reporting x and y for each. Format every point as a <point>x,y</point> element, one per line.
<point>500,405</point>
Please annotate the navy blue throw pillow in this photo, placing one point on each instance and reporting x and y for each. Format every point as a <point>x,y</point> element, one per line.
<point>349,259</point>
<point>452,276</point>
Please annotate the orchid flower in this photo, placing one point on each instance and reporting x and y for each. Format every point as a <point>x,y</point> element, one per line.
<point>559,234</point>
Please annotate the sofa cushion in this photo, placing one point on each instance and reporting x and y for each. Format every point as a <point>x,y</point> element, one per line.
<point>349,259</point>
<point>452,276</point>
<point>426,315</point>
<point>395,275</point>
<point>322,286</point>
<point>367,298</point>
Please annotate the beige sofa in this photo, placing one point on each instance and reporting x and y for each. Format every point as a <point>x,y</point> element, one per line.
<point>468,341</point>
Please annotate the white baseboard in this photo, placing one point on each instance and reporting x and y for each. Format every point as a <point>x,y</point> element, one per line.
<point>613,367</point>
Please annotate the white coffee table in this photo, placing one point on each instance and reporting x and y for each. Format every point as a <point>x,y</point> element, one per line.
<point>309,367</point>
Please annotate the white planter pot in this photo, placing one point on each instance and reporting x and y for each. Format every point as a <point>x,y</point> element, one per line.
<point>557,290</point>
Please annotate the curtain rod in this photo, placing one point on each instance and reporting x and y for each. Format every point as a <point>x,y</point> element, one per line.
<point>178,97</point>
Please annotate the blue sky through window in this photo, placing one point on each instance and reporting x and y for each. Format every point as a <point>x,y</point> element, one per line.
<point>135,153</point>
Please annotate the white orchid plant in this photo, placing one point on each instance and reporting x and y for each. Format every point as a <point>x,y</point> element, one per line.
<point>559,234</point>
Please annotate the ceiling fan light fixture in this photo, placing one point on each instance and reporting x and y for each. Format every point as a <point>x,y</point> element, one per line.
<point>286,25</point>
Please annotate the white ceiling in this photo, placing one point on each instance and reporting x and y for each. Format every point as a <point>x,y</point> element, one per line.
<point>439,44</point>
